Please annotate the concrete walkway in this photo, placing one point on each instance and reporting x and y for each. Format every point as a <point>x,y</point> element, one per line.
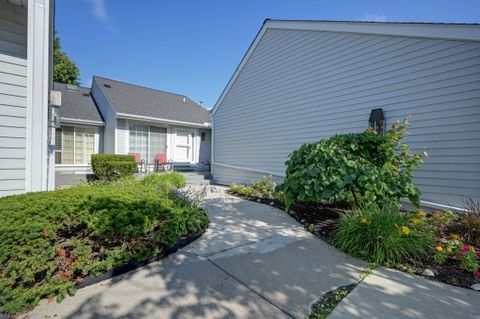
<point>392,294</point>
<point>254,261</point>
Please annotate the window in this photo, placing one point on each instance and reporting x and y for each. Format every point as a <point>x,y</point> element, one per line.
<point>75,145</point>
<point>148,141</point>
<point>204,135</point>
<point>377,121</point>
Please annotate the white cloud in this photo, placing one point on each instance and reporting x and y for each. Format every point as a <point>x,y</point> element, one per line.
<point>374,18</point>
<point>99,9</point>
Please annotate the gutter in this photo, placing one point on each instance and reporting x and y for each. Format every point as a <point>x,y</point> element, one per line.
<point>160,120</point>
<point>80,121</point>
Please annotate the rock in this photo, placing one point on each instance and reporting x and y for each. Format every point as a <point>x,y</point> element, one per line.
<point>475,287</point>
<point>428,273</point>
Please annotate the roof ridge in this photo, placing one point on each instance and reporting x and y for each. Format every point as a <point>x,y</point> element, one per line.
<point>376,22</point>
<point>146,87</point>
<point>79,86</point>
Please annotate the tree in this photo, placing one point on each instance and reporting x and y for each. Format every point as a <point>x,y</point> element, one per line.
<point>64,69</point>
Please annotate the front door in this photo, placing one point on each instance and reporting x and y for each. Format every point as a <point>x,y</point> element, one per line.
<point>184,145</point>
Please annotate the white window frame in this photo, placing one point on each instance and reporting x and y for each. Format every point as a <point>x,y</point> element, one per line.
<point>95,144</point>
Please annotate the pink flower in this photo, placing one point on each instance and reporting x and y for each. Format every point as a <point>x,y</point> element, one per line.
<point>478,254</point>
<point>477,274</point>
<point>465,248</point>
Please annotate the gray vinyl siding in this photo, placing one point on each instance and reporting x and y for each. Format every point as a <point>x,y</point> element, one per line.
<point>108,113</point>
<point>122,137</point>
<point>205,147</point>
<point>13,98</point>
<point>301,86</point>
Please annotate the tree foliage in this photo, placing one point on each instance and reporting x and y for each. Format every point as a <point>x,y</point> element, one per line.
<point>353,168</point>
<point>64,69</point>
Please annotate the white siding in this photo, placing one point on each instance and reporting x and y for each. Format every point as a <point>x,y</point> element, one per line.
<point>108,113</point>
<point>122,137</point>
<point>13,103</point>
<point>301,86</point>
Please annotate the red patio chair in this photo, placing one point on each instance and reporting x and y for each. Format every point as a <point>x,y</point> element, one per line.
<point>138,160</point>
<point>161,160</point>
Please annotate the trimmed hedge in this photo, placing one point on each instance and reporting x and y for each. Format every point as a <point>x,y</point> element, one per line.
<point>111,167</point>
<point>49,241</point>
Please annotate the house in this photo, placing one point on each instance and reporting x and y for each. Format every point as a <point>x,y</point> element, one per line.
<point>80,133</point>
<point>120,118</point>
<point>26,130</point>
<point>301,81</point>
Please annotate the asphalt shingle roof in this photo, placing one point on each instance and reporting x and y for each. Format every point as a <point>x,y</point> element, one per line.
<point>78,104</point>
<point>141,101</point>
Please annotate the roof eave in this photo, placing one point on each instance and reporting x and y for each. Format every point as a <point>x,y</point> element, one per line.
<point>161,120</point>
<point>68,120</point>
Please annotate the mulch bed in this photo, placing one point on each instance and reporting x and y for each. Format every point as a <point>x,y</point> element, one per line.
<point>321,220</point>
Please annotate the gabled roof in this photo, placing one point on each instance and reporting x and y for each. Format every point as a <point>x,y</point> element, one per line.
<point>130,99</point>
<point>449,31</point>
<point>77,104</point>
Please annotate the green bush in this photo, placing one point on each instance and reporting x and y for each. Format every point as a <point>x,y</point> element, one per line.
<point>111,167</point>
<point>383,235</point>
<point>353,168</point>
<point>173,179</point>
<point>50,240</point>
<point>242,190</point>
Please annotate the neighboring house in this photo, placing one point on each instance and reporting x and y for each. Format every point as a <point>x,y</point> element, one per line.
<point>301,81</point>
<point>81,131</point>
<point>26,52</point>
<point>120,118</point>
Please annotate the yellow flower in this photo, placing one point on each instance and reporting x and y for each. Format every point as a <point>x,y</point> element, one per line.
<point>416,221</point>
<point>364,221</point>
<point>439,248</point>
<point>449,249</point>
<point>405,230</point>
<point>421,213</point>
<point>454,236</point>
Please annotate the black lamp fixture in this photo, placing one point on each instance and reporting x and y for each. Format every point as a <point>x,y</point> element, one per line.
<point>377,121</point>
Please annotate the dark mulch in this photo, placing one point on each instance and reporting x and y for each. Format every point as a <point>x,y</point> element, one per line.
<point>321,220</point>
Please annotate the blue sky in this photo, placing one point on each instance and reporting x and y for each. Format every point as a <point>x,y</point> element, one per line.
<point>192,47</point>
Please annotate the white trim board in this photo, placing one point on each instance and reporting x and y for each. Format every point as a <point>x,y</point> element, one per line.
<point>459,32</point>
<point>127,116</point>
<point>66,120</point>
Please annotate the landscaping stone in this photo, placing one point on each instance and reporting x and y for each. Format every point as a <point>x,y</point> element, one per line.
<point>476,287</point>
<point>428,273</point>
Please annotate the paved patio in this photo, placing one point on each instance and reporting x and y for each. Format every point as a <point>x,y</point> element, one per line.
<point>254,261</point>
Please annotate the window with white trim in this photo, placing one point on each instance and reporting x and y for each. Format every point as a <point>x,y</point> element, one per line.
<point>74,145</point>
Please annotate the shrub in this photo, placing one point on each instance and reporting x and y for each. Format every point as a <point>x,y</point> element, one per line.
<point>241,189</point>
<point>50,240</point>
<point>111,167</point>
<point>357,167</point>
<point>265,187</point>
<point>383,235</point>
<point>173,179</point>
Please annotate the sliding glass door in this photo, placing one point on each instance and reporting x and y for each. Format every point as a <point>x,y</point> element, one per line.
<point>147,141</point>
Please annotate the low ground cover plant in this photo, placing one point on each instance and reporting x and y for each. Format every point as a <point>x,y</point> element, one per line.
<point>353,168</point>
<point>262,188</point>
<point>51,240</point>
<point>112,167</point>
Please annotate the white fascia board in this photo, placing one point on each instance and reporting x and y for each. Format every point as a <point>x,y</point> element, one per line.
<point>80,121</point>
<point>459,32</point>
<point>160,120</point>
